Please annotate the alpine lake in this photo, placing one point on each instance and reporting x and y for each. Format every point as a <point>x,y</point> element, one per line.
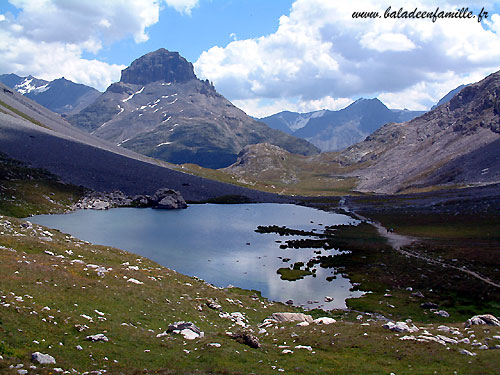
<point>264,247</point>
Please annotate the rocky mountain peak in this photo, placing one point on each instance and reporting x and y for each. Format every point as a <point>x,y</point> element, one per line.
<point>160,65</point>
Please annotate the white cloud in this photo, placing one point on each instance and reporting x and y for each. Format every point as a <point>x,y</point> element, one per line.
<point>54,60</point>
<point>182,6</point>
<point>49,37</point>
<point>319,51</point>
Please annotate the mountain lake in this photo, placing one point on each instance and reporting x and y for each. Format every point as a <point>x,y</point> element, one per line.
<point>218,244</point>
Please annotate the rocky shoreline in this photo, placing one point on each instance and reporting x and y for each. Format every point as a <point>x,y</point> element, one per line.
<point>162,199</point>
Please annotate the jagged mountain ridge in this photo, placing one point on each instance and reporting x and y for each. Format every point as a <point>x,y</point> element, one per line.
<point>60,95</point>
<point>335,130</point>
<point>160,109</point>
<point>454,144</point>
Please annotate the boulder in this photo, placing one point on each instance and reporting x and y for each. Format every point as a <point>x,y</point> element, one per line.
<point>43,359</point>
<point>247,339</point>
<point>400,327</point>
<point>98,337</point>
<point>325,320</point>
<point>485,319</point>
<point>168,199</point>
<point>442,313</point>
<point>291,317</point>
<point>187,329</point>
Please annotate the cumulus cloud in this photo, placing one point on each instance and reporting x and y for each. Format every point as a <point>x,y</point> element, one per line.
<point>182,6</point>
<point>320,51</point>
<point>49,37</point>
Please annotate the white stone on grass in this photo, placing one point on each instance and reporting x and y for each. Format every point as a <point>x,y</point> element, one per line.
<point>325,320</point>
<point>43,359</point>
<point>98,337</point>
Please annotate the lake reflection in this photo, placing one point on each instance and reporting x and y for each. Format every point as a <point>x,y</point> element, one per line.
<point>217,243</point>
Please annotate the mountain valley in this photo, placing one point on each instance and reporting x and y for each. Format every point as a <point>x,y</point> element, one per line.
<point>419,245</point>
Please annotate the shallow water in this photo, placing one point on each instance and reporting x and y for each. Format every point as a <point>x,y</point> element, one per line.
<point>217,243</point>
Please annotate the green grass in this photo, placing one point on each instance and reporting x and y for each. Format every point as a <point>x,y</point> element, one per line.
<point>293,274</point>
<point>72,289</point>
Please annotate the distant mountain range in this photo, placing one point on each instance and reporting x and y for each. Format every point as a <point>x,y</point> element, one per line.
<point>160,109</point>
<point>336,130</point>
<point>457,144</point>
<point>60,95</point>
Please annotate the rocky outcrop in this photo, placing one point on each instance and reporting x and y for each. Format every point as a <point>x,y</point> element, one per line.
<point>160,65</point>
<point>161,199</point>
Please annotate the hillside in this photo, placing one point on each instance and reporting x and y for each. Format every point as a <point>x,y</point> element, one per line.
<point>454,144</point>
<point>31,133</point>
<point>60,95</point>
<point>160,109</point>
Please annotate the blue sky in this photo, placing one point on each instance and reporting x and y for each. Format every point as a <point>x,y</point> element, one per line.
<point>264,56</point>
<point>211,23</point>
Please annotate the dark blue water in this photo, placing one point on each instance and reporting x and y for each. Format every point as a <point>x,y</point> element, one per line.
<point>211,242</point>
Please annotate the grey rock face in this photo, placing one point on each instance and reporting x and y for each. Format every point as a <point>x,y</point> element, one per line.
<point>160,65</point>
<point>43,359</point>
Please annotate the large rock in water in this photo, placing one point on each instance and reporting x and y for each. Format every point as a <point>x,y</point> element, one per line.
<point>168,199</point>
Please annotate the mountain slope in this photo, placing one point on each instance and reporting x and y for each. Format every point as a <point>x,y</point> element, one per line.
<point>31,133</point>
<point>335,130</point>
<point>60,95</point>
<point>160,109</point>
<point>452,144</point>
<point>449,96</point>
